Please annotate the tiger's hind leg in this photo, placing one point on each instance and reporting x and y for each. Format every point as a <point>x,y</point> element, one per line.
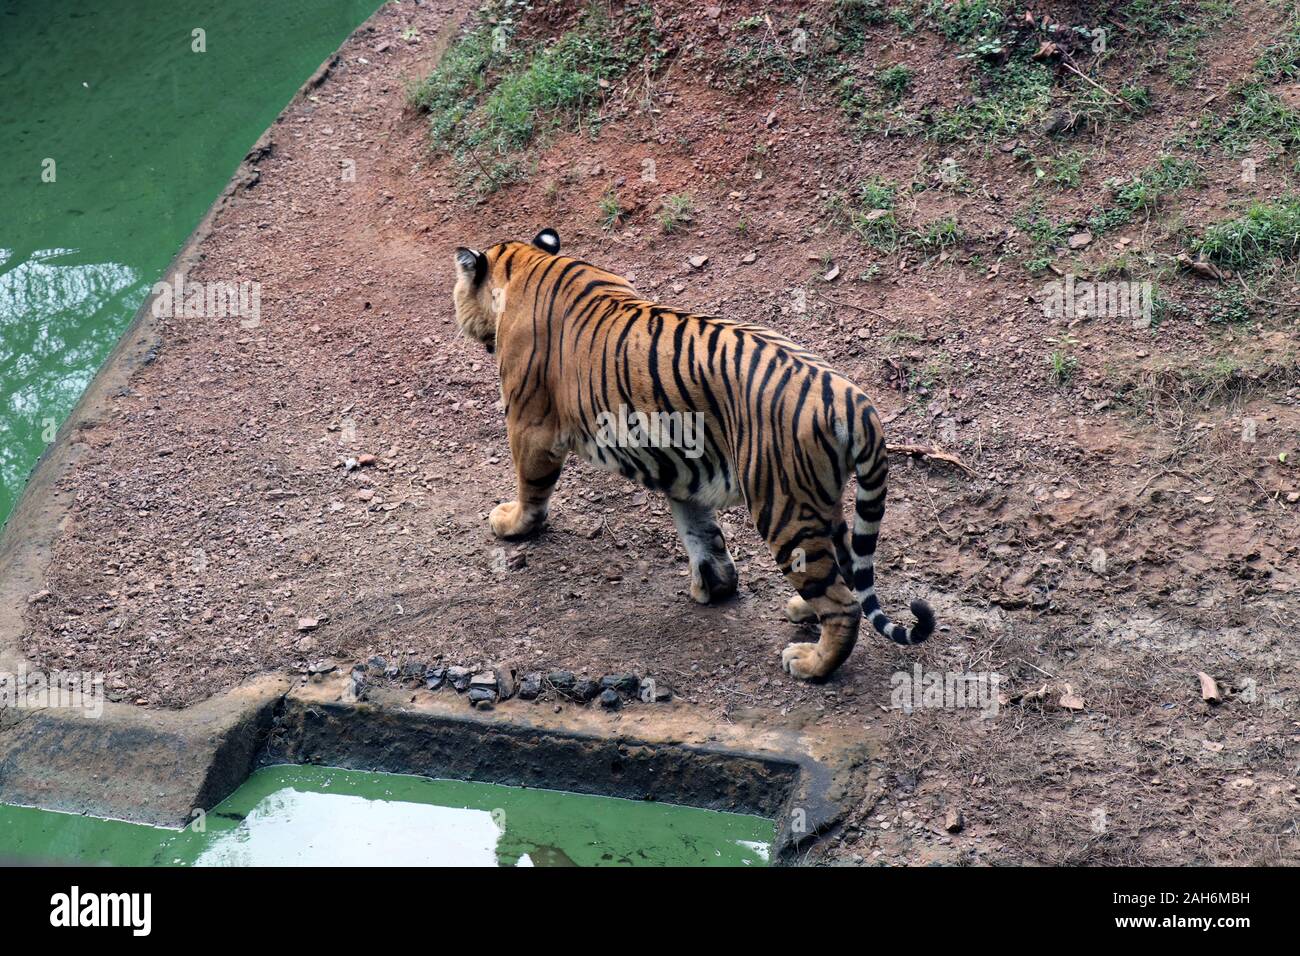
<point>713,573</point>
<point>806,554</point>
<point>798,610</point>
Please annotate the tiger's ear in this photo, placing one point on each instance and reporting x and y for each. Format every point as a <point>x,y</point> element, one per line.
<point>548,240</point>
<point>471,264</point>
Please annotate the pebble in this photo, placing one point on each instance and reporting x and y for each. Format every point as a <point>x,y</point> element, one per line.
<point>530,688</point>
<point>610,699</point>
<point>561,680</point>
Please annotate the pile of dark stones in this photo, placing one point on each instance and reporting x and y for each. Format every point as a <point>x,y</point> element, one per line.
<point>485,687</point>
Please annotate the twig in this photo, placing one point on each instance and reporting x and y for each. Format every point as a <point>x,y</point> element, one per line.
<point>930,451</point>
<point>1036,667</point>
<point>1069,65</point>
<point>1161,474</point>
<point>1255,295</point>
<point>850,305</point>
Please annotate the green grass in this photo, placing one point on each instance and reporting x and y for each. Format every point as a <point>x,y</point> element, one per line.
<point>894,81</point>
<point>677,210</point>
<point>489,99</point>
<point>1267,231</point>
<point>1145,192</point>
<point>1061,367</point>
<point>869,214</point>
<point>1281,59</point>
<point>939,235</point>
<point>1013,97</point>
<point>975,24</point>
<point>1258,117</point>
<point>1066,170</point>
<point>611,210</point>
<point>850,20</point>
<point>1044,236</point>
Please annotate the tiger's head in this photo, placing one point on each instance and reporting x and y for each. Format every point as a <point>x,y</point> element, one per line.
<point>480,293</point>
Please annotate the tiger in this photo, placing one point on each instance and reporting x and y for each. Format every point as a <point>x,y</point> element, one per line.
<point>585,363</point>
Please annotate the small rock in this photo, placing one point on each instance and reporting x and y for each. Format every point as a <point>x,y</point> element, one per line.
<point>325,666</point>
<point>749,258</point>
<point>953,821</point>
<point>38,597</point>
<point>458,677</point>
<point>356,689</point>
<point>412,670</point>
<point>584,690</point>
<point>308,623</point>
<point>484,679</point>
<point>625,684</point>
<point>434,678</point>
<point>561,680</point>
<point>610,699</point>
<point>530,688</point>
<point>367,461</point>
<point>365,494</point>
<point>1080,240</point>
<point>505,678</point>
<point>698,262</point>
<point>479,694</point>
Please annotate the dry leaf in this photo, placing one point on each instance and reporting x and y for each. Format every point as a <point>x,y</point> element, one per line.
<point>1070,700</point>
<point>1210,692</point>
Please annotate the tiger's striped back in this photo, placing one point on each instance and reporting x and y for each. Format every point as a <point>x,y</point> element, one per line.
<point>760,421</point>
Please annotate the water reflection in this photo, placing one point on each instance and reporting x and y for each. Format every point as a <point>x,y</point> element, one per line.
<point>48,351</point>
<point>297,828</point>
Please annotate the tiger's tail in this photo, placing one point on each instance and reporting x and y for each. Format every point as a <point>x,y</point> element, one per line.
<point>872,468</point>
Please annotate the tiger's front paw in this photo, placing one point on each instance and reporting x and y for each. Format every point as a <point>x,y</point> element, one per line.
<point>714,580</point>
<point>802,661</point>
<point>510,520</point>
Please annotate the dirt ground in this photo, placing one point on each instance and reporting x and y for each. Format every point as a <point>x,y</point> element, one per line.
<point>1111,539</point>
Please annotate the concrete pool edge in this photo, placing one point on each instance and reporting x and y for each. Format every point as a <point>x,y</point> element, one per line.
<point>667,753</point>
<point>158,767</point>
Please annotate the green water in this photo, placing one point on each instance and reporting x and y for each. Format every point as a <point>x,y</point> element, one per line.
<point>318,816</point>
<point>143,132</point>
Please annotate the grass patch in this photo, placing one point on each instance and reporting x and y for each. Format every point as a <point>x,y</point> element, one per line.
<point>869,214</point>
<point>939,235</point>
<point>894,82</point>
<point>851,19</point>
<point>1044,236</point>
<point>1144,193</point>
<point>1066,170</point>
<point>611,210</point>
<point>1012,97</point>
<point>1268,230</point>
<point>677,210</point>
<point>489,99</point>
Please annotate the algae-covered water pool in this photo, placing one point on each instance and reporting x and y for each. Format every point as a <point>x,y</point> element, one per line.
<point>319,816</point>
<point>121,122</point>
